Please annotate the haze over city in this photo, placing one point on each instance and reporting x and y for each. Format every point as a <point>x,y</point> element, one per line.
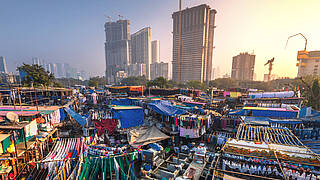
<point>73,31</point>
<point>160,89</point>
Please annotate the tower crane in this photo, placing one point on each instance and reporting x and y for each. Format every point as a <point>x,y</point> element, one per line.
<point>120,17</point>
<point>270,62</point>
<point>110,19</point>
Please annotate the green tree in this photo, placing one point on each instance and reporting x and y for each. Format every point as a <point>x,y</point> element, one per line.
<point>134,81</point>
<point>194,84</point>
<point>160,82</point>
<point>67,82</point>
<point>172,84</point>
<point>311,90</point>
<point>97,81</point>
<point>35,74</point>
<point>93,83</point>
<point>223,83</point>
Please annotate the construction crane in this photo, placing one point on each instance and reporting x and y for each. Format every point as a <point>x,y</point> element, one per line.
<point>306,41</point>
<point>270,62</point>
<point>110,19</point>
<point>120,17</point>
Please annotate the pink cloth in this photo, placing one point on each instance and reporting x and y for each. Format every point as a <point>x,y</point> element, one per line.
<point>192,133</point>
<point>94,98</point>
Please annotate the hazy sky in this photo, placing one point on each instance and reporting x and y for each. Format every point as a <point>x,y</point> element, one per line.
<point>73,30</point>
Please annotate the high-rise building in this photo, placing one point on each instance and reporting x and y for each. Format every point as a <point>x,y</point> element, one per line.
<point>159,70</point>
<point>117,48</point>
<point>243,66</point>
<point>137,70</point>
<point>193,43</point>
<point>3,65</point>
<point>52,68</point>
<point>155,51</point>
<point>308,63</point>
<point>38,61</point>
<point>48,67</point>
<point>61,71</point>
<point>141,48</point>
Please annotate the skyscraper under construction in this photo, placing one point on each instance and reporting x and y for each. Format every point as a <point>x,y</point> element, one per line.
<point>193,43</point>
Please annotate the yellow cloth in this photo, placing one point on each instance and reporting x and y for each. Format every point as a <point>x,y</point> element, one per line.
<point>233,94</point>
<point>1,148</point>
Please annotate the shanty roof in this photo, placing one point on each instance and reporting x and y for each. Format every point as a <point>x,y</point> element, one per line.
<point>125,107</point>
<point>4,136</point>
<point>269,109</point>
<point>21,113</point>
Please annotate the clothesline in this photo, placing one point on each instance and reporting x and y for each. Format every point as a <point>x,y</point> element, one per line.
<point>93,157</point>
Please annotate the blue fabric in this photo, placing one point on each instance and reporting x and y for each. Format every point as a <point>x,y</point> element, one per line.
<point>249,119</point>
<point>284,121</point>
<point>199,110</point>
<point>165,108</point>
<point>273,114</point>
<point>62,114</point>
<point>155,146</point>
<point>129,117</point>
<point>120,102</point>
<point>237,112</point>
<point>192,104</point>
<point>80,119</point>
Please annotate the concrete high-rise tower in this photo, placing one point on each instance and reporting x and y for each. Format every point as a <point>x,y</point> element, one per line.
<point>117,48</point>
<point>155,51</point>
<point>243,66</point>
<point>192,60</point>
<point>308,63</point>
<point>3,65</point>
<point>141,48</point>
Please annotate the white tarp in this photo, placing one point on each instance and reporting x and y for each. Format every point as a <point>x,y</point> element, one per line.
<point>145,135</point>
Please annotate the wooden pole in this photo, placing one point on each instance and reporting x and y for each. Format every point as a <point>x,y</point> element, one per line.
<point>20,102</point>
<point>36,98</point>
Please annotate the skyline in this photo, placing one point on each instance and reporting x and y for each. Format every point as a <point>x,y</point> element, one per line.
<point>61,31</point>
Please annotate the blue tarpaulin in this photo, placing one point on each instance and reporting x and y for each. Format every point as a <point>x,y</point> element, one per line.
<point>80,119</point>
<point>165,108</point>
<point>274,114</point>
<point>62,114</point>
<point>250,119</point>
<point>237,112</point>
<point>128,117</point>
<point>120,102</point>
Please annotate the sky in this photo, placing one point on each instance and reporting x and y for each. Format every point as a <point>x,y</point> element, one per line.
<point>73,30</point>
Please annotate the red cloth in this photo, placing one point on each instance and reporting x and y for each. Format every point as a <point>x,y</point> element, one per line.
<point>106,124</point>
<point>69,155</point>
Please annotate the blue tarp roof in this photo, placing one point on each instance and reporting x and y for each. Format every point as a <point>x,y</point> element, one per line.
<point>80,119</point>
<point>128,117</point>
<point>123,101</point>
<point>237,112</point>
<point>165,108</point>
<point>250,119</point>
